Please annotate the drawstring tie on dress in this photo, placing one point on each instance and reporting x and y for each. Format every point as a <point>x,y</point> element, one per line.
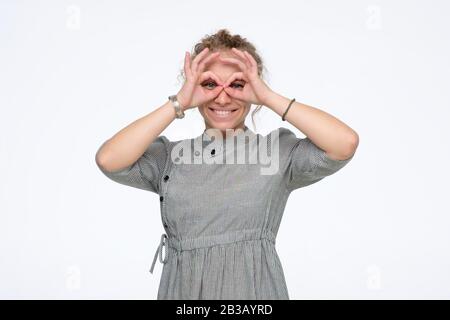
<point>162,244</point>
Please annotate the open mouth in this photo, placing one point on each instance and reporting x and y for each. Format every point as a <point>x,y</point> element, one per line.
<point>222,113</point>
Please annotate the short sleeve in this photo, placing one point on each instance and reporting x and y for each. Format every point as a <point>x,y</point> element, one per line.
<point>306,163</point>
<point>146,172</point>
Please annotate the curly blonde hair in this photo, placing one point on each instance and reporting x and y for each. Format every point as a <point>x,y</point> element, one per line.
<point>224,40</point>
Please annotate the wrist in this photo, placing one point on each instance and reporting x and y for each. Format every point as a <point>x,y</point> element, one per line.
<point>183,105</point>
<point>271,99</point>
<point>179,111</point>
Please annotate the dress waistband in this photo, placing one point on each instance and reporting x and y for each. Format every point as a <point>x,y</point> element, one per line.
<point>208,241</point>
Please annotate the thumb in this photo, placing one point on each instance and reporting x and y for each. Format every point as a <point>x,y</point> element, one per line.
<point>229,91</point>
<point>215,92</point>
<point>233,93</point>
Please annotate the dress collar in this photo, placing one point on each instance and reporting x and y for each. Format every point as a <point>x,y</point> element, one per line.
<point>238,132</point>
<point>214,149</point>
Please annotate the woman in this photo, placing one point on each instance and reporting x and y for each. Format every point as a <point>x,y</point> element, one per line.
<point>221,218</point>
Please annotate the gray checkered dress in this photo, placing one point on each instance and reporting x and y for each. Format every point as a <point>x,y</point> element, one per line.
<point>221,219</point>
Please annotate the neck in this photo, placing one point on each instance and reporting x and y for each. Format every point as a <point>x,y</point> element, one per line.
<point>241,126</point>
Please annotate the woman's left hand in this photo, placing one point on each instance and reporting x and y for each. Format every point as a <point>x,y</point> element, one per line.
<point>255,90</point>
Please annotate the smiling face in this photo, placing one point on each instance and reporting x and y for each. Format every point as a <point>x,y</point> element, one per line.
<point>224,112</point>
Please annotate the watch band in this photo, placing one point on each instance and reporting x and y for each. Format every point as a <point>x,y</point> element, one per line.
<point>179,113</point>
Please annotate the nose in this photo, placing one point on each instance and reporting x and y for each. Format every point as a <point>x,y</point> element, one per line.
<point>222,98</point>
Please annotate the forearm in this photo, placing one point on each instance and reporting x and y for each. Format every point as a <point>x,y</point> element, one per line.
<point>326,131</point>
<point>127,145</point>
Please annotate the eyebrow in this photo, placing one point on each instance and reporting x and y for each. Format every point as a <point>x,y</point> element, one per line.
<point>215,80</point>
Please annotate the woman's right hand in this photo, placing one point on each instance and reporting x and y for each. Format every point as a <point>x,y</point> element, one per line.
<point>193,94</point>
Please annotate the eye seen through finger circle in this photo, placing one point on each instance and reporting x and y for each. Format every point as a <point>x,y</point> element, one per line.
<point>211,84</point>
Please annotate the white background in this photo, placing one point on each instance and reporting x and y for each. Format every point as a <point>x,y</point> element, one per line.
<point>74,73</point>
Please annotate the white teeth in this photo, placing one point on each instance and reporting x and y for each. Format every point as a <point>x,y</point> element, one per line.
<point>222,113</point>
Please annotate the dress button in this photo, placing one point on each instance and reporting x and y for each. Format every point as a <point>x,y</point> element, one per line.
<point>166,178</point>
<point>213,152</point>
<point>197,153</point>
<point>161,198</point>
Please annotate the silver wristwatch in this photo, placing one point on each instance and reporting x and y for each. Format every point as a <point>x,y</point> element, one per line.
<point>178,111</point>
